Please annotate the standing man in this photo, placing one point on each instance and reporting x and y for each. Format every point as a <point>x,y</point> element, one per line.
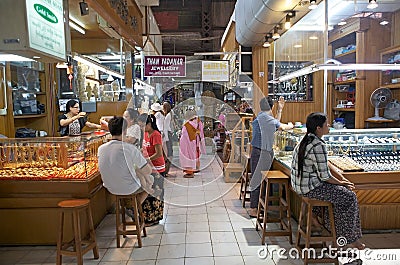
<point>264,127</point>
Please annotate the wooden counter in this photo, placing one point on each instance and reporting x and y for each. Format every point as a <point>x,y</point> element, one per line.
<point>378,195</point>
<point>29,212</point>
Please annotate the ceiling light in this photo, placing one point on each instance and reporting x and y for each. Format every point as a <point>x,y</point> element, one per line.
<point>84,7</point>
<point>288,25</point>
<point>62,65</point>
<point>313,38</point>
<point>96,65</point>
<point>341,23</point>
<point>372,4</point>
<point>276,34</point>
<point>298,46</point>
<point>13,58</point>
<point>313,4</point>
<point>267,42</point>
<point>384,23</point>
<point>110,78</point>
<point>76,27</point>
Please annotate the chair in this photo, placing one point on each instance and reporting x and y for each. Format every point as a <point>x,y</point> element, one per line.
<point>304,229</point>
<point>265,205</point>
<point>121,222</point>
<point>79,246</point>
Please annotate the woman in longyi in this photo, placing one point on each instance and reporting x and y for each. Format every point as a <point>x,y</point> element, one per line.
<point>191,144</point>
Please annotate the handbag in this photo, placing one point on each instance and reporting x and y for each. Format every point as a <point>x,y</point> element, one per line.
<point>392,110</point>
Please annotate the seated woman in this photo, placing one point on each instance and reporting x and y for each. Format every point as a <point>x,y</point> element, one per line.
<point>311,177</point>
<point>73,121</point>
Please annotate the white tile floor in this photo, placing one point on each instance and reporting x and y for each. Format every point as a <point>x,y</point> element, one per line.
<point>204,223</point>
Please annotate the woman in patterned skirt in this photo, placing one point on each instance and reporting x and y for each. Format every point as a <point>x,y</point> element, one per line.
<point>153,206</point>
<point>311,177</point>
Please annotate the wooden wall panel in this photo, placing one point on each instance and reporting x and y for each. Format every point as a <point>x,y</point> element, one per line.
<point>396,28</point>
<point>107,109</point>
<point>230,44</point>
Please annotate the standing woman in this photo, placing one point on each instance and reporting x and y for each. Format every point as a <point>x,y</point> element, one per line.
<point>153,206</point>
<point>191,144</point>
<point>311,177</point>
<point>133,134</point>
<point>73,121</point>
<point>167,139</point>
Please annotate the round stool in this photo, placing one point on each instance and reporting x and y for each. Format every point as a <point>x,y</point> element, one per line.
<point>138,218</point>
<point>76,247</point>
<point>265,205</point>
<point>304,229</point>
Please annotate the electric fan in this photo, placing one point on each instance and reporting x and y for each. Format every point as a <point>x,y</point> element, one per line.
<point>379,99</point>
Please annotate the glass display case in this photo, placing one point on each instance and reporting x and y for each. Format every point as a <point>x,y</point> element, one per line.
<point>50,158</point>
<point>351,149</point>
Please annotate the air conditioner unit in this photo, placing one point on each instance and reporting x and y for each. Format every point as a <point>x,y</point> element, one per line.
<point>107,29</point>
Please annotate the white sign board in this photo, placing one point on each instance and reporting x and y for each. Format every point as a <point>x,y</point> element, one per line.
<point>46,26</point>
<point>215,71</point>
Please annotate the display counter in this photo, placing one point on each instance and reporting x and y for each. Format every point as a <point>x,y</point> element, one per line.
<point>36,174</point>
<point>368,158</point>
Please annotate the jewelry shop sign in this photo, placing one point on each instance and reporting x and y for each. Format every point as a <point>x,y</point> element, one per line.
<point>165,66</point>
<point>46,26</point>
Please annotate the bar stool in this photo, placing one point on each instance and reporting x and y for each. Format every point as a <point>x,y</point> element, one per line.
<point>269,178</point>
<point>121,222</point>
<point>304,230</point>
<point>79,246</point>
<point>244,193</point>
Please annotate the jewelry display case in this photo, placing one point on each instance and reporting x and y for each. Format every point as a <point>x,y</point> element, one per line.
<point>36,174</point>
<point>53,158</point>
<point>368,158</point>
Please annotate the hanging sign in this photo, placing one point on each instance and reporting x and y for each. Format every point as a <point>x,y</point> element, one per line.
<point>46,26</point>
<point>165,66</point>
<point>214,71</point>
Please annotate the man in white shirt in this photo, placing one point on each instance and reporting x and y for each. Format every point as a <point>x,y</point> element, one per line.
<point>123,168</point>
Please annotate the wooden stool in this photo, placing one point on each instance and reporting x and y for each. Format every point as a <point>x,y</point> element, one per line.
<point>244,194</point>
<point>75,207</point>
<point>138,219</point>
<point>230,168</point>
<point>269,178</point>
<point>304,230</point>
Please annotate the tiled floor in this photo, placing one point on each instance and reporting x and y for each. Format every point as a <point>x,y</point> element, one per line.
<point>204,224</point>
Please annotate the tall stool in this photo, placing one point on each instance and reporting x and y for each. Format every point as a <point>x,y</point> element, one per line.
<point>121,222</point>
<point>269,178</point>
<point>304,229</point>
<point>79,246</point>
<point>244,193</point>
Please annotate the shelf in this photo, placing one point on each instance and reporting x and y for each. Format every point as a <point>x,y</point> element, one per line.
<point>393,86</point>
<point>345,82</point>
<point>345,54</point>
<point>344,109</point>
<point>30,116</point>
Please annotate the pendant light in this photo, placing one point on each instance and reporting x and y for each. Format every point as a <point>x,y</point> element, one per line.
<point>372,4</point>
<point>313,4</point>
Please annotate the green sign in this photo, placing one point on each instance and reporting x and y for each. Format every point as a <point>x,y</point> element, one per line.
<point>46,27</point>
<point>45,13</point>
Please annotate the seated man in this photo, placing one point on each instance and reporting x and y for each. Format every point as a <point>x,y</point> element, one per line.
<point>123,168</point>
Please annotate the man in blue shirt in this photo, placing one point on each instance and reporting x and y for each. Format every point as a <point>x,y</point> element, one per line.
<point>264,127</point>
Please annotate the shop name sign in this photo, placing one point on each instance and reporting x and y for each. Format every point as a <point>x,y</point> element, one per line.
<point>215,71</point>
<point>46,26</point>
<point>165,66</point>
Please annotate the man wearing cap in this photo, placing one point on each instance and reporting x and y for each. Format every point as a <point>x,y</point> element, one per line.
<point>264,127</point>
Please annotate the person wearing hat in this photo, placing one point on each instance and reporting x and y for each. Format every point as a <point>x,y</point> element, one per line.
<point>191,144</point>
<point>264,127</point>
<point>158,113</point>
